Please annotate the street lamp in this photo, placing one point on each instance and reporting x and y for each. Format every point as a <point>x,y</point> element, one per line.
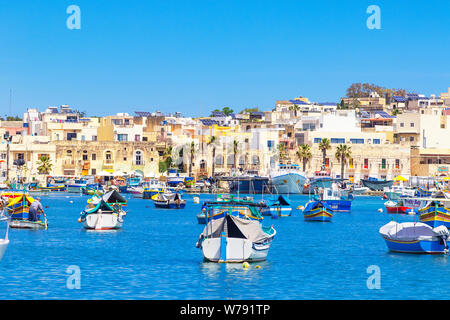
<point>8,139</point>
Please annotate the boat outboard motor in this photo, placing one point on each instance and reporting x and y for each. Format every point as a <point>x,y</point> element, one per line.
<point>443,234</point>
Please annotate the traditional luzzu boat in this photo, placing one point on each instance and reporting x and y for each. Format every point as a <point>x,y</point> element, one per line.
<point>422,193</point>
<point>415,237</point>
<point>152,188</point>
<point>169,200</point>
<point>278,207</point>
<point>105,213</point>
<point>317,211</point>
<point>18,209</point>
<point>230,238</point>
<point>435,213</point>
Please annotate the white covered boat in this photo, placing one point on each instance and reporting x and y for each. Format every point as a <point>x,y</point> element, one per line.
<point>415,237</point>
<point>229,238</point>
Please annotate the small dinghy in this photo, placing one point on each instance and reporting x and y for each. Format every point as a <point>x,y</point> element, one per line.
<point>396,206</point>
<point>278,207</point>
<point>169,201</point>
<point>229,238</point>
<point>415,237</point>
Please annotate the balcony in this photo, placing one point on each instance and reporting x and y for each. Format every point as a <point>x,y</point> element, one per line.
<point>69,164</point>
<point>108,164</point>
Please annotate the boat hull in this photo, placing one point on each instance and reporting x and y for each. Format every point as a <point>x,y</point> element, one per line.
<point>169,205</point>
<point>26,224</point>
<point>229,250</point>
<point>250,186</point>
<point>277,211</point>
<point>435,216</point>
<point>320,214</point>
<point>416,246</point>
<point>290,183</point>
<point>377,185</point>
<point>96,221</point>
<point>3,245</point>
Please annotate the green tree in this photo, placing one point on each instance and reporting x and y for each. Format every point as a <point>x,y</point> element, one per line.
<point>282,152</point>
<point>343,152</point>
<point>44,165</point>
<point>167,156</point>
<point>324,145</point>
<point>304,154</point>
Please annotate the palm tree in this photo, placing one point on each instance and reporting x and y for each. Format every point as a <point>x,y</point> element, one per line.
<point>44,165</point>
<point>295,108</point>
<point>304,154</point>
<point>212,142</point>
<point>324,145</point>
<point>343,152</point>
<point>282,152</point>
<point>191,152</point>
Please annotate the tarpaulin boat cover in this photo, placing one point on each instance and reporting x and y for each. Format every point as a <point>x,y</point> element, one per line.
<point>113,197</point>
<point>169,197</point>
<point>102,205</point>
<point>281,200</point>
<point>411,231</point>
<point>233,227</point>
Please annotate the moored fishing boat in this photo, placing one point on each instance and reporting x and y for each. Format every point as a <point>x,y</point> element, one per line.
<point>229,238</point>
<point>102,216</point>
<point>415,237</point>
<point>288,179</point>
<point>168,200</point>
<point>397,206</point>
<point>277,207</point>
<point>338,200</point>
<point>317,211</point>
<point>152,188</point>
<point>19,211</point>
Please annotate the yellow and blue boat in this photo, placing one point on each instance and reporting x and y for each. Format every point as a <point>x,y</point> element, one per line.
<point>317,211</point>
<point>435,214</point>
<point>19,208</point>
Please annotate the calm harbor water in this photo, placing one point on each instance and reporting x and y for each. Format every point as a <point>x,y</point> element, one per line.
<point>154,257</point>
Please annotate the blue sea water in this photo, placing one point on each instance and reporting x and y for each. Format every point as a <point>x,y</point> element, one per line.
<point>154,257</point>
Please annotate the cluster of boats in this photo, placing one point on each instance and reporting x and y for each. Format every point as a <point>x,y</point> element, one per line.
<point>429,233</point>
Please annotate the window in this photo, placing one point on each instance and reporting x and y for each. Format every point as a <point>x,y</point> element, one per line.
<point>376,141</point>
<point>144,139</point>
<point>411,138</point>
<point>85,155</point>
<point>337,140</point>
<point>94,138</point>
<point>138,158</point>
<point>397,163</point>
<point>350,163</point>
<point>383,163</point>
<point>71,136</point>
<point>317,140</point>
<point>94,172</point>
<point>366,163</point>
<point>94,157</point>
<point>137,137</point>
<point>357,141</point>
<point>122,137</point>
<point>412,124</point>
<point>402,124</point>
<point>327,162</point>
<point>83,138</point>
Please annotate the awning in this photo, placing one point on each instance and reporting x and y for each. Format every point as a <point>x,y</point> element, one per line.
<point>400,178</point>
<point>104,173</point>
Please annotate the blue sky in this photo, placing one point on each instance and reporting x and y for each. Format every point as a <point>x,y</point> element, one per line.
<point>193,56</point>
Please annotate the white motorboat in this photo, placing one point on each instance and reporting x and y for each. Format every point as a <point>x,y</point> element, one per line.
<point>288,179</point>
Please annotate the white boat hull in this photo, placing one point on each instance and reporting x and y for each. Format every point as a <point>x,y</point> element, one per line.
<point>96,221</point>
<point>290,183</point>
<point>3,245</point>
<point>234,250</point>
